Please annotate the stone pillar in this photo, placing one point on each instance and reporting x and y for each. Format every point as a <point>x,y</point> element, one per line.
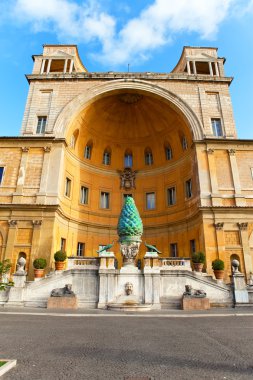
<point>240,291</point>
<point>216,199</point>
<point>71,66</point>
<point>41,196</point>
<point>239,199</point>
<point>216,69</point>
<point>102,299</point>
<point>188,67</point>
<point>42,66</point>
<point>17,196</point>
<point>194,68</point>
<point>35,244</point>
<point>243,228</point>
<point>148,291</point>
<point>65,66</point>
<point>210,68</point>
<point>220,242</point>
<point>11,239</point>
<point>49,65</point>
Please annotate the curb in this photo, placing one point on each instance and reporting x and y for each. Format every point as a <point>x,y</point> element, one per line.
<point>10,363</point>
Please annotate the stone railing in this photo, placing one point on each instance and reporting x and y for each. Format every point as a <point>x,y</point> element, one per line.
<point>83,262</point>
<point>175,263</point>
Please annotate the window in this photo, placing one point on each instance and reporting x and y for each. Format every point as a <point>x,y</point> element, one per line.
<point>84,195</point>
<point>87,151</point>
<point>67,187</point>
<point>168,153</point>
<point>106,158</point>
<point>80,249</point>
<point>192,246</point>
<point>63,245</point>
<point>150,201</point>
<point>104,199</point>
<point>184,143</point>
<point>41,125</point>
<point>171,194</point>
<point>173,250</point>
<point>1,174</point>
<point>148,156</point>
<point>216,127</point>
<point>188,188</point>
<point>128,160</point>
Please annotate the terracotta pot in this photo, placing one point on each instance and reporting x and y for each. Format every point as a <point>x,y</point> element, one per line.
<point>59,265</point>
<point>38,273</point>
<point>219,274</point>
<point>198,267</point>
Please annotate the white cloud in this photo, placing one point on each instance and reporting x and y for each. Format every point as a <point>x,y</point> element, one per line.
<point>156,25</point>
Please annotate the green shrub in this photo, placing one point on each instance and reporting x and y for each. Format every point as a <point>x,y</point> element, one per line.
<point>40,263</point>
<point>60,256</point>
<point>198,257</point>
<point>218,264</point>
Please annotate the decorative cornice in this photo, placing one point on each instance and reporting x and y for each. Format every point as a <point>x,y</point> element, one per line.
<point>37,223</point>
<point>47,149</point>
<point>12,223</point>
<point>219,226</point>
<point>242,226</point>
<point>231,152</point>
<point>25,149</point>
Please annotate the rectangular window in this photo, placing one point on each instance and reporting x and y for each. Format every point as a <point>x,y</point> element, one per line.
<point>104,199</point>
<point>188,188</point>
<point>87,152</point>
<point>63,245</point>
<point>41,124</point>
<point>216,127</point>
<point>80,249</point>
<point>84,195</point>
<point>173,250</point>
<point>171,194</point>
<point>67,187</point>
<point>128,161</point>
<point>150,201</point>
<point>1,174</point>
<point>168,153</point>
<point>192,246</point>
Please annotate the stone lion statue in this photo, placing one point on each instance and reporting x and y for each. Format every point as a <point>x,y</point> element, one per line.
<point>63,292</point>
<point>189,292</point>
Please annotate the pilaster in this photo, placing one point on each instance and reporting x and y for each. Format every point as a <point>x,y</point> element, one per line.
<point>17,196</point>
<point>35,244</point>
<point>239,199</point>
<point>243,228</point>
<point>11,239</point>
<point>220,241</point>
<point>216,199</point>
<point>41,196</point>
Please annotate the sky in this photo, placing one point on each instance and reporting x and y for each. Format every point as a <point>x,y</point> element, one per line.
<point>146,34</point>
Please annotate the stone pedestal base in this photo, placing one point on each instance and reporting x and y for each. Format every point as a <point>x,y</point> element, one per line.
<point>190,303</point>
<point>62,303</point>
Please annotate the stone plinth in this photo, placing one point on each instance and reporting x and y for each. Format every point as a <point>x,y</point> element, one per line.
<point>62,303</point>
<point>191,303</point>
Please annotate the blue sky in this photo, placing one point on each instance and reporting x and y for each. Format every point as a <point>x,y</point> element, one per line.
<point>149,35</point>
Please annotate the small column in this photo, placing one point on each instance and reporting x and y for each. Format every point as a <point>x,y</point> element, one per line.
<point>71,66</point>
<point>49,65</point>
<point>42,66</point>
<point>188,67</point>
<point>210,68</point>
<point>194,68</point>
<point>216,69</point>
<point>239,199</point>
<point>65,66</point>
<point>41,196</point>
<point>243,228</point>
<point>216,199</point>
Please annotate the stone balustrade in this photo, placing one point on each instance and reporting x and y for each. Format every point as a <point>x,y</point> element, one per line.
<point>175,263</point>
<point>83,262</point>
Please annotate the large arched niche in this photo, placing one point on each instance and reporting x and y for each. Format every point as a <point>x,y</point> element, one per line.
<point>71,111</point>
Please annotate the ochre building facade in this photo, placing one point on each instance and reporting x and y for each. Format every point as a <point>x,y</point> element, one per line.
<point>88,140</point>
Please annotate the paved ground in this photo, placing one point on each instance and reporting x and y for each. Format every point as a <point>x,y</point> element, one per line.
<point>159,345</point>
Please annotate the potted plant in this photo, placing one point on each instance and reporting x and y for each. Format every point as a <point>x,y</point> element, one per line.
<point>198,259</point>
<point>60,257</point>
<point>39,267</point>
<point>218,269</point>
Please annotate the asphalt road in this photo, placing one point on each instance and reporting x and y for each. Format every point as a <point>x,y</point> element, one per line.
<point>99,347</point>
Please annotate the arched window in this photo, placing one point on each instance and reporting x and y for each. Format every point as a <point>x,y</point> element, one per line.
<point>184,143</point>
<point>168,151</point>
<point>128,159</point>
<point>88,150</point>
<point>107,156</point>
<point>148,157</point>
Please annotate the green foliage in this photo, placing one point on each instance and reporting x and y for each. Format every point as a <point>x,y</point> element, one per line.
<point>218,264</point>
<point>60,256</point>
<point>4,285</point>
<point>198,257</point>
<point>5,266</point>
<point>40,263</point>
